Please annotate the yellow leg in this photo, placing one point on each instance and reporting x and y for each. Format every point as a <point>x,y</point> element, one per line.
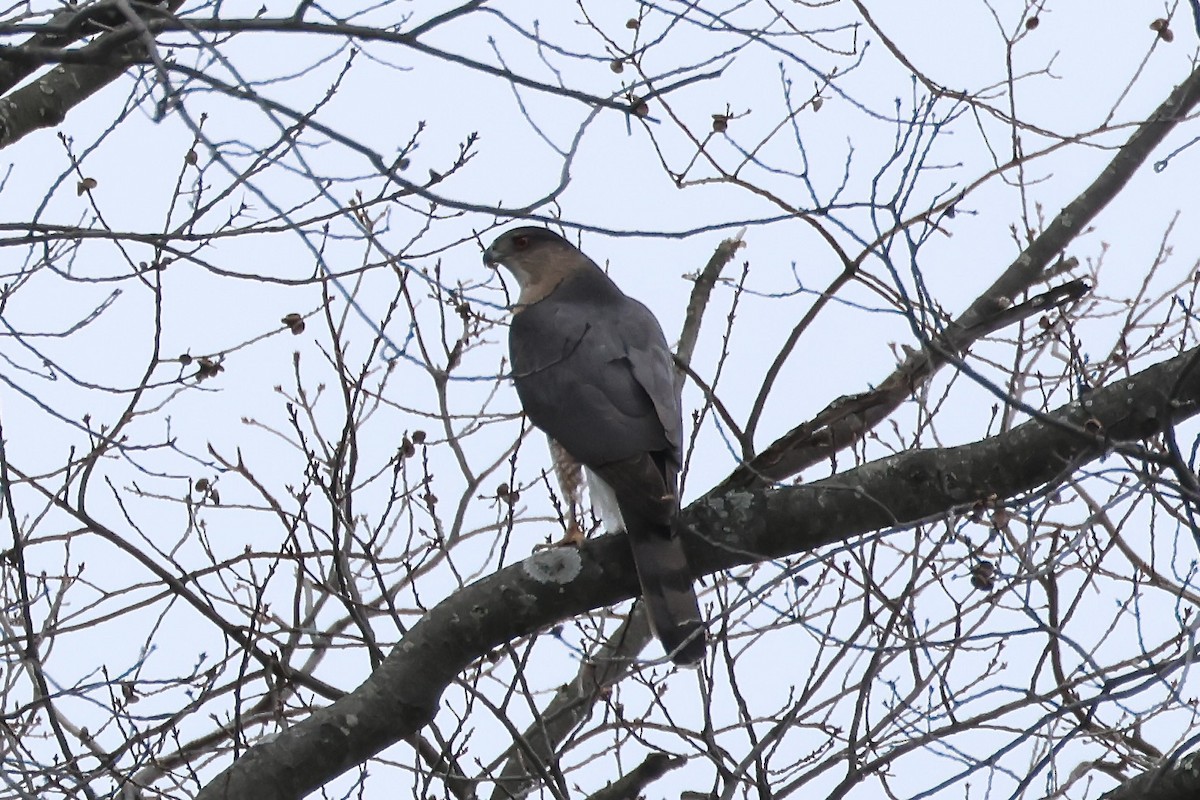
<point>570,480</point>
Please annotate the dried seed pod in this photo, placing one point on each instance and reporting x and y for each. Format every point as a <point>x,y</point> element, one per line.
<point>983,576</point>
<point>294,322</point>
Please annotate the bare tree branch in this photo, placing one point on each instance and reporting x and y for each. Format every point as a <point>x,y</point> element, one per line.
<point>730,528</point>
<point>813,441</point>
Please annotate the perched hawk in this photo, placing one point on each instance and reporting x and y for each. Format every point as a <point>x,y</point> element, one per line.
<point>593,371</point>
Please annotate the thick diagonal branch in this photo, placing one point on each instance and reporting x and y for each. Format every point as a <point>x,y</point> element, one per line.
<point>847,419</point>
<point>45,101</point>
<point>729,529</point>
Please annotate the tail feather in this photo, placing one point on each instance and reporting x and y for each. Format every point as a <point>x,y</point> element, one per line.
<point>671,602</point>
<point>647,507</point>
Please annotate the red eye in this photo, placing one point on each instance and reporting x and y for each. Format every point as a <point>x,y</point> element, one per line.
<point>521,242</point>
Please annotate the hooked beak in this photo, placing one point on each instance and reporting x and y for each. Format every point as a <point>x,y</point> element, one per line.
<point>489,259</point>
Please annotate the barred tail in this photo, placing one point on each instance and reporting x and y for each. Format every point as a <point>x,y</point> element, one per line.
<point>667,591</point>
<point>645,499</point>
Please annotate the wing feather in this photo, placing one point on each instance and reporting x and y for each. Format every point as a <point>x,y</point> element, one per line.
<point>595,373</point>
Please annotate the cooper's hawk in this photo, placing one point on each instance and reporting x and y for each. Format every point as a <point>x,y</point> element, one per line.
<point>593,371</point>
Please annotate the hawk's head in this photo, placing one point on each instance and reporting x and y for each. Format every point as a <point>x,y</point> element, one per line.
<point>538,258</point>
<point>524,246</point>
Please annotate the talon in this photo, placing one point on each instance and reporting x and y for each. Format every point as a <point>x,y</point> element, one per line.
<point>574,537</point>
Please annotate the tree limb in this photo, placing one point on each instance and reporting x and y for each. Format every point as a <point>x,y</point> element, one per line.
<point>629,787</point>
<point>813,441</point>
<point>45,101</point>
<point>727,529</point>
